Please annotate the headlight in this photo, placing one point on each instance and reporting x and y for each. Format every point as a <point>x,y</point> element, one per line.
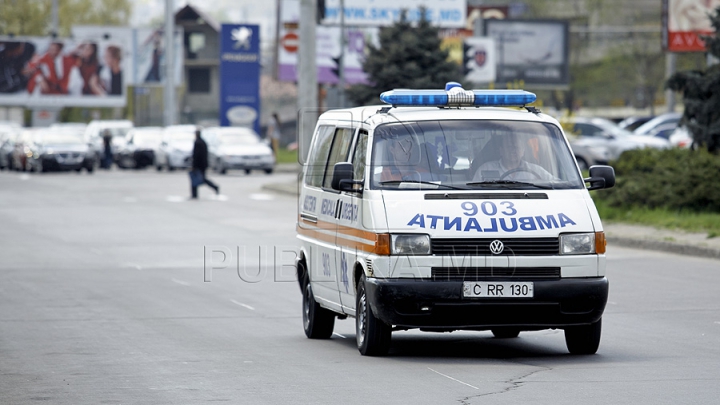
<point>577,244</point>
<point>412,244</point>
<point>599,152</point>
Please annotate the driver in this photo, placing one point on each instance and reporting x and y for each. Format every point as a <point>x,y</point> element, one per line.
<point>511,165</point>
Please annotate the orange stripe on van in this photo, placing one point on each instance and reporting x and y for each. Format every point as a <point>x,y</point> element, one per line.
<point>379,243</point>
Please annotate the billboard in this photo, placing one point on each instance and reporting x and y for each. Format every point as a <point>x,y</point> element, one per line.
<point>533,51</point>
<point>327,47</point>
<point>240,76</point>
<point>376,13</point>
<point>684,21</point>
<point>46,72</point>
<point>479,59</point>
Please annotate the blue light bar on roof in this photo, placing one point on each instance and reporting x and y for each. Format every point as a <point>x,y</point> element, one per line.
<point>458,97</point>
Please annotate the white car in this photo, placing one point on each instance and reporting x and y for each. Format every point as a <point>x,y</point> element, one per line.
<point>236,148</point>
<point>600,132</point>
<point>141,146</point>
<point>94,135</point>
<point>176,148</point>
<point>681,138</point>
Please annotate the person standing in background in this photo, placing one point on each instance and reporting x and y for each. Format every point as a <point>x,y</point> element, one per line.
<point>199,165</point>
<point>107,149</point>
<point>274,133</point>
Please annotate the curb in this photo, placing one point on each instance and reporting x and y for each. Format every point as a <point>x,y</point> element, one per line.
<point>664,246</point>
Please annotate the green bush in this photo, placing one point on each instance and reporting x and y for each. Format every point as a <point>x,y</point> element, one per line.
<point>676,179</point>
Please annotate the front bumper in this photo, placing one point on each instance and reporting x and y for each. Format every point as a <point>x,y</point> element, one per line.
<point>439,304</point>
<point>60,162</point>
<point>242,163</point>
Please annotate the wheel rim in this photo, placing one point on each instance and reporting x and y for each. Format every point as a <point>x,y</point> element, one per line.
<point>307,298</point>
<point>361,320</point>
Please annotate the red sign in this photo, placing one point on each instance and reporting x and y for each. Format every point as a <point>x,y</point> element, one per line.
<point>290,42</point>
<point>686,41</point>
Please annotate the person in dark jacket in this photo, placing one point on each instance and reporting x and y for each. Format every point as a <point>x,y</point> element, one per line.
<point>200,164</point>
<point>107,149</point>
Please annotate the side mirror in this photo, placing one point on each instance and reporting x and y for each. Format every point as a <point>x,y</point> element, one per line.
<point>608,135</point>
<point>342,179</point>
<point>601,177</point>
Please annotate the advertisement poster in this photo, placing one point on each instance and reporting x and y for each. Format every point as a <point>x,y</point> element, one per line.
<point>240,76</point>
<point>377,13</point>
<point>59,72</point>
<point>684,21</point>
<point>327,47</point>
<point>532,51</point>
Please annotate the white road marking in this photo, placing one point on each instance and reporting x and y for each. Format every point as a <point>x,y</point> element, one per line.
<point>262,197</point>
<point>243,305</point>
<point>337,334</point>
<point>174,280</point>
<point>24,176</point>
<point>717,323</point>
<point>130,199</point>
<point>454,379</point>
<point>175,198</point>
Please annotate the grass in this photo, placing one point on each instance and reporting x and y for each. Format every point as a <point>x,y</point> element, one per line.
<point>286,156</point>
<point>661,218</point>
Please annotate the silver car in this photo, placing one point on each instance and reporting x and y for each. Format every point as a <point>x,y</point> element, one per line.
<point>235,148</point>
<point>600,132</point>
<point>176,148</point>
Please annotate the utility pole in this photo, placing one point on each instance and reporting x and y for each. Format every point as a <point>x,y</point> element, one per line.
<point>307,78</point>
<point>54,24</point>
<point>169,85</point>
<point>670,67</point>
<point>341,61</point>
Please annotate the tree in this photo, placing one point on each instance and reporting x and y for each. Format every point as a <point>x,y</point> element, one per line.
<point>409,56</point>
<point>32,17</point>
<point>701,94</point>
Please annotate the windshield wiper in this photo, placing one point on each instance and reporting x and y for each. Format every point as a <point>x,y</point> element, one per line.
<point>506,183</point>
<point>396,182</point>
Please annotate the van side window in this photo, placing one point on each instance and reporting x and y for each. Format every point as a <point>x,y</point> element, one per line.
<point>339,152</point>
<point>359,156</point>
<point>320,152</point>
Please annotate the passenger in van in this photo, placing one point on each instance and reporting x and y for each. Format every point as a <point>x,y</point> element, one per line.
<point>405,160</point>
<point>512,164</point>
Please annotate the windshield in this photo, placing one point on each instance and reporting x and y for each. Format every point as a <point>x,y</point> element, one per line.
<point>115,131</point>
<point>147,137</point>
<point>612,128</point>
<point>181,136</point>
<point>62,138</point>
<point>239,139</point>
<point>472,154</point>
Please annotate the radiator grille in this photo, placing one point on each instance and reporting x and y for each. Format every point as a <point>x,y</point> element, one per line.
<point>479,273</point>
<point>481,246</point>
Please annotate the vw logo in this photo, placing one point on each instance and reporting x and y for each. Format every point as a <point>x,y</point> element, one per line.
<point>496,247</point>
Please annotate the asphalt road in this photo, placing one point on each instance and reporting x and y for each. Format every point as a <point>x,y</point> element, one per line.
<point>103,301</point>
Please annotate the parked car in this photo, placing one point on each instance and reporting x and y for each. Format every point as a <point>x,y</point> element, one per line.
<point>236,148</point>
<point>681,138</point>
<point>588,152</point>
<point>601,132</point>
<point>94,135</point>
<point>660,126</point>
<point>140,146</point>
<point>175,150</point>
<point>61,148</point>
<point>8,136</point>
<point>631,123</point>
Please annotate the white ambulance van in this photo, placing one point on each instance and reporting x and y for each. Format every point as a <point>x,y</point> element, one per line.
<point>442,211</point>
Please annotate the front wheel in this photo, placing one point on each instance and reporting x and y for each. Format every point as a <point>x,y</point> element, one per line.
<point>318,322</point>
<point>373,335</point>
<point>583,339</point>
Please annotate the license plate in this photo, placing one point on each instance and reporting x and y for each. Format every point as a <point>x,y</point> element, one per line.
<point>500,289</point>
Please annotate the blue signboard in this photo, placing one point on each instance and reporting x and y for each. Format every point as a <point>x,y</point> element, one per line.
<point>240,76</point>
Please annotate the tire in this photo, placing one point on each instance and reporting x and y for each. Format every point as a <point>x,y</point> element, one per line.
<point>247,171</point>
<point>158,168</point>
<point>583,339</point>
<point>268,171</point>
<point>505,333</point>
<point>372,335</point>
<point>223,171</point>
<point>318,322</point>
<point>89,168</point>
<point>170,168</point>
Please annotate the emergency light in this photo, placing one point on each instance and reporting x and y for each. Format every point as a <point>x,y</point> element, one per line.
<point>455,96</point>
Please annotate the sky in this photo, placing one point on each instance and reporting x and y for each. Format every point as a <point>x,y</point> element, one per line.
<point>224,11</point>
